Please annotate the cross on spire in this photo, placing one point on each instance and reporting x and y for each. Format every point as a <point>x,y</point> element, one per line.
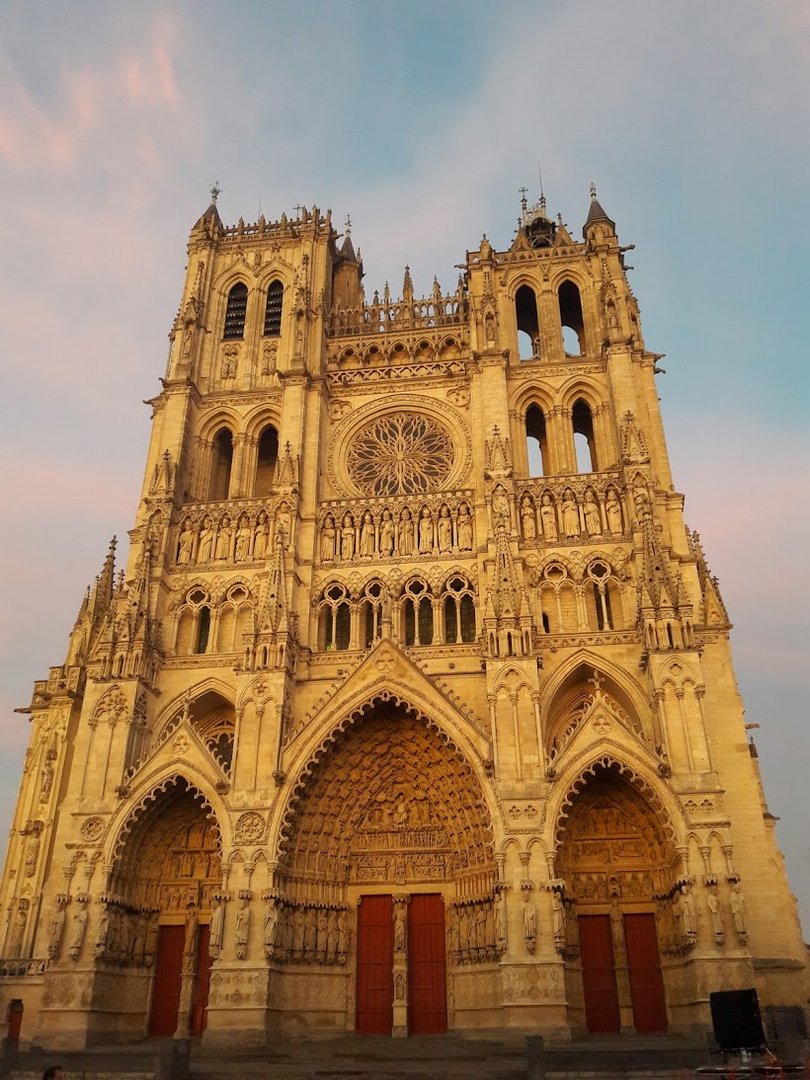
<point>215,190</point>
<point>348,224</point>
<point>523,201</point>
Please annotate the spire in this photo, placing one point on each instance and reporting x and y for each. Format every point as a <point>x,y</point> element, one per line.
<point>596,213</point>
<point>210,221</point>
<point>105,582</point>
<point>407,286</point>
<point>347,248</point>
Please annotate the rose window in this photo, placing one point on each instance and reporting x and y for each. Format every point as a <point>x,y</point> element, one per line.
<point>400,454</point>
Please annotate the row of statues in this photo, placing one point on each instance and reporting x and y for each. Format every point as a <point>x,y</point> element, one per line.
<point>570,517</point>
<point>396,535</point>
<point>683,927</point>
<point>291,933</point>
<point>242,539</point>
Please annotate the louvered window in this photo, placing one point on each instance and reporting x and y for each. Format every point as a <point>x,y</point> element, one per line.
<point>235,312</point>
<point>272,313</point>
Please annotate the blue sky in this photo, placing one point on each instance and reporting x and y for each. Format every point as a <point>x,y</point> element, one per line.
<point>422,121</point>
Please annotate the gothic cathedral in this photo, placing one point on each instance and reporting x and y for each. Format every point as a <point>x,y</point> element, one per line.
<point>412,709</point>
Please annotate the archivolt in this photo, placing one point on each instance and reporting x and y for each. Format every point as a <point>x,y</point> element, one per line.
<point>162,790</point>
<point>631,775</point>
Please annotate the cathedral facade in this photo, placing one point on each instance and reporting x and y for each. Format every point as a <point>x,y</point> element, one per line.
<point>412,707</point>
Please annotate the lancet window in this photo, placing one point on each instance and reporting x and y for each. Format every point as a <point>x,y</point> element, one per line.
<point>334,619</point>
<point>371,613</point>
<point>272,312</point>
<point>221,465</point>
<point>235,312</point>
<point>528,327</point>
<point>537,442</point>
<point>266,460</point>
<point>459,611</point>
<point>416,611</point>
<point>584,441</point>
<point>573,325</point>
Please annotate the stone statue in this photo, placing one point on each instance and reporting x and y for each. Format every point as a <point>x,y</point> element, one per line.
<point>347,539</point>
<point>223,549</point>
<point>387,534</point>
<point>686,912</point>
<point>185,543</point>
<point>242,928</point>
<point>445,530</point>
<point>57,927</point>
<point>716,914</point>
<point>500,922</point>
<point>217,925</point>
<point>399,986</point>
<point>283,525</point>
<point>367,536</point>
<point>32,855</point>
<point>425,532</point>
<point>323,935</point>
<point>613,510</point>
<point>465,533</point>
<point>270,926</point>
<point>328,536</point>
<point>500,507</point>
<point>100,946</point>
<point>405,533</point>
<point>243,537</point>
<point>190,936</point>
<point>528,524</point>
<point>17,933</point>
<point>206,541</point>
<point>529,922</point>
<point>78,928</point>
<point>548,517</point>
<point>590,510</point>
<point>46,778</point>
<point>261,536</point>
<point>737,901</point>
<point>558,919</point>
<point>570,515</point>
<point>399,930</point>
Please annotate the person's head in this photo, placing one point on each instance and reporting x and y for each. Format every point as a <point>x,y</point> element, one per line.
<point>53,1072</point>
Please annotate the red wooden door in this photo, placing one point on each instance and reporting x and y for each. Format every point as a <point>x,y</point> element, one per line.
<point>644,965</point>
<point>598,973</point>
<point>427,974</point>
<point>375,965</point>
<point>168,980</point>
<point>14,1015</point>
<point>202,979</point>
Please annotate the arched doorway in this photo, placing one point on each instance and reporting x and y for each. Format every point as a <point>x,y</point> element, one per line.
<point>615,860</point>
<point>168,868</point>
<point>391,836</point>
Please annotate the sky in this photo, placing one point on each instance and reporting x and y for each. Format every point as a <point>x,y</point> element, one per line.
<point>422,121</point>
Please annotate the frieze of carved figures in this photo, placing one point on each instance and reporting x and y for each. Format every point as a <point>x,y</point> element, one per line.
<point>570,513</point>
<point>240,535</point>
<point>471,932</point>
<point>121,933</point>
<point>379,531</point>
<point>297,933</point>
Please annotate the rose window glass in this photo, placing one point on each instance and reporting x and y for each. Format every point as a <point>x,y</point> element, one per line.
<point>400,454</point>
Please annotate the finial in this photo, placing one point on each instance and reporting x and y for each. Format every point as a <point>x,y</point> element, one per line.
<point>542,193</point>
<point>593,190</point>
<point>523,203</point>
<point>348,224</point>
<point>215,190</point>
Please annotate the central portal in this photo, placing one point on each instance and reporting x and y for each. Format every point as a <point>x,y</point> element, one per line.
<point>385,956</point>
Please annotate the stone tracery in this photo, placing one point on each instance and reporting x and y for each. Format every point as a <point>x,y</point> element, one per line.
<point>400,454</point>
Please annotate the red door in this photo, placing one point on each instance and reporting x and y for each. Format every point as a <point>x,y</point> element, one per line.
<point>646,982</point>
<point>598,974</point>
<point>202,979</point>
<point>14,1015</point>
<point>375,965</point>
<point>168,980</point>
<point>427,975</point>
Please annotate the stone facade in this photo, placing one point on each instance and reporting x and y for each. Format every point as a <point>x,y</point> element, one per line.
<point>410,611</point>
